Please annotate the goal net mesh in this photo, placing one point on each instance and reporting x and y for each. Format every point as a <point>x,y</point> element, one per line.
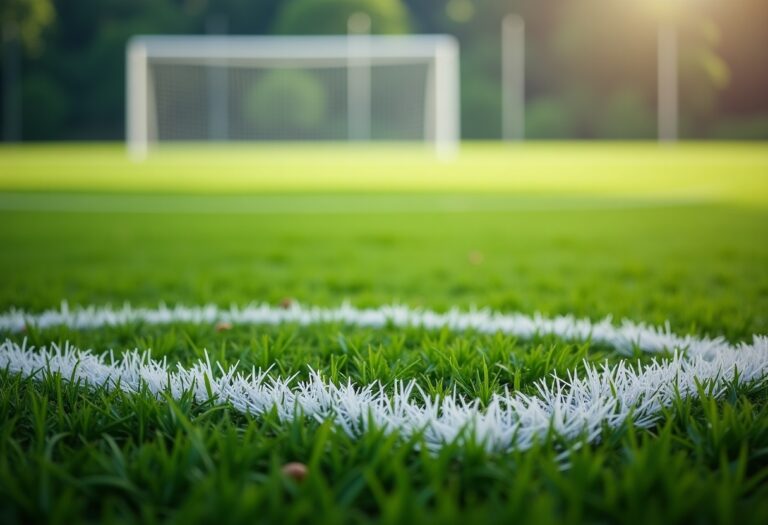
<point>225,102</point>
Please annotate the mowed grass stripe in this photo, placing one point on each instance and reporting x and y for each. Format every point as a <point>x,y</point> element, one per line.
<point>318,204</point>
<point>647,170</point>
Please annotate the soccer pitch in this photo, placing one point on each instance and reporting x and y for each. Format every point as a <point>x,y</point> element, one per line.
<point>690,171</point>
<point>642,232</point>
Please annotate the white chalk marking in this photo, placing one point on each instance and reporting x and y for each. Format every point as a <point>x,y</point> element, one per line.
<point>573,407</point>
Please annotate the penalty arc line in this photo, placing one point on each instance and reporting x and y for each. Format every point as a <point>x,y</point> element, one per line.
<point>573,407</point>
<point>624,338</point>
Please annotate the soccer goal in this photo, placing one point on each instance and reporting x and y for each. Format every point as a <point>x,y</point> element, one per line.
<point>292,88</point>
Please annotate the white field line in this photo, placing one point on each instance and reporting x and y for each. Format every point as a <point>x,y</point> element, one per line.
<point>624,338</point>
<point>572,407</point>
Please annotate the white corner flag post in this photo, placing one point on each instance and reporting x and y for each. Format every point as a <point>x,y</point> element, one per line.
<point>359,77</point>
<point>668,110</point>
<point>513,78</point>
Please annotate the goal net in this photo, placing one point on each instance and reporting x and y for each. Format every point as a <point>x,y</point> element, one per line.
<point>290,88</point>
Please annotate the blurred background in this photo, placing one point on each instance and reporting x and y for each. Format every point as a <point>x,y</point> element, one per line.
<point>590,64</point>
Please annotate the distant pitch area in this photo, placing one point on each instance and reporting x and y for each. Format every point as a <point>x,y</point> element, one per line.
<point>730,172</point>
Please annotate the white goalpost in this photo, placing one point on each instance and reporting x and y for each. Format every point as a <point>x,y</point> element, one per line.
<point>292,88</point>
<point>513,78</point>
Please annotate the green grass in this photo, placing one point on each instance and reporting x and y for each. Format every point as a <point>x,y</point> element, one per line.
<point>632,231</point>
<point>698,171</point>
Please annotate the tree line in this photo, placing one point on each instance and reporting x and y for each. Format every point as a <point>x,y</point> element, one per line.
<point>590,64</point>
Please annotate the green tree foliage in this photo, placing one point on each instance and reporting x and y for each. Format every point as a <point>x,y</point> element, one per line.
<point>76,86</point>
<point>330,16</point>
<point>607,51</point>
<point>242,17</point>
<point>25,20</point>
<point>22,23</point>
<point>81,69</point>
<point>590,65</point>
<point>285,102</point>
<point>477,26</point>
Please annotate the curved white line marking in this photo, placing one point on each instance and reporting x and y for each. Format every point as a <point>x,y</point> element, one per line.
<point>572,407</point>
<point>623,338</point>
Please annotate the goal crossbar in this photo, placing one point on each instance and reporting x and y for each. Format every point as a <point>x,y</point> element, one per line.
<point>326,46</point>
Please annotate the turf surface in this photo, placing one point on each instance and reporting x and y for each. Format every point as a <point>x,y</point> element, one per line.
<point>734,172</point>
<point>625,230</point>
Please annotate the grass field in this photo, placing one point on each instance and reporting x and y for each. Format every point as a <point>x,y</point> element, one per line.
<point>635,231</point>
<point>691,171</point>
